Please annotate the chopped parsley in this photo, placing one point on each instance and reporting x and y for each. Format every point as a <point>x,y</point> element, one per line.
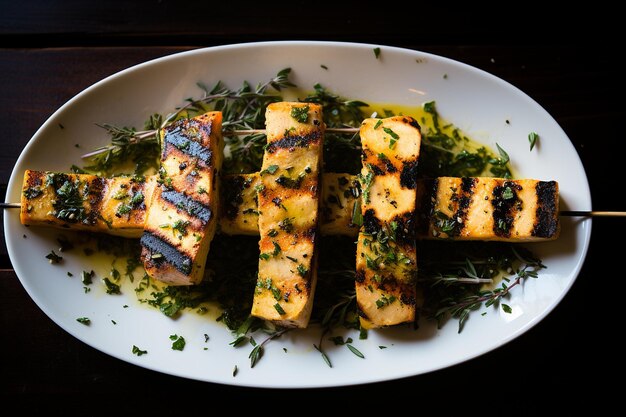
<point>111,287</point>
<point>84,320</point>
<point>300,114</point>
<point>270,170</point>
<point>123,209</point>
<point>53,258</point>
<point>138,352</point>
<point>302,271</point>
<point>279,309</point>
<point>86,277</point>
<point>178,342</point>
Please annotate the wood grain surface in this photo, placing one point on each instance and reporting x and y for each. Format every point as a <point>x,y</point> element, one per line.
<point>51,50</point>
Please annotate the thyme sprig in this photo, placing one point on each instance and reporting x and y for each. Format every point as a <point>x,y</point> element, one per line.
<point>454,287</point>
<point>243,108</point>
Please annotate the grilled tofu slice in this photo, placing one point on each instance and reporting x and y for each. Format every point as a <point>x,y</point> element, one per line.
<point>386,264</point>
<point>492,209</point>
<point>288,213</point>
<point>86,202</point>
<point>240,208</point>
<point>182,216</point>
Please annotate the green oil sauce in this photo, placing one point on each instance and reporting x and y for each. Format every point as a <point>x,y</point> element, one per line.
<point>446,150</point>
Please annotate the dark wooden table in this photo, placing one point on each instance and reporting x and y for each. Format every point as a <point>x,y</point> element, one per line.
<point>50,51</point>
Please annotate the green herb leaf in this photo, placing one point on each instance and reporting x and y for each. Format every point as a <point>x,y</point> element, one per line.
<point>507,309</point>
<point>302,271</point>
<point>355,351</point>
<point>300,114</point>
<point>84,320</point>
<point>255,355</point>
<point>324,356</point>
<point>138,352</point>
<point>53,258</point>
<point>532,139</point>
<point>179,342</point>
<point>111,287</point>
<point>391,133</point>
<point>270,169</point>
<point>279,309</point>
<point>377,52</point>
<point>503,155</point>
<point>357,215</point>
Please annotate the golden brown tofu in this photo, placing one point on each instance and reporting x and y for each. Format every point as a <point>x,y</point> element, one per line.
<point>182,216</point>
<point>288,199</point>
<point>86,202</point>
<point>386,264</point>
<point>492,209</point>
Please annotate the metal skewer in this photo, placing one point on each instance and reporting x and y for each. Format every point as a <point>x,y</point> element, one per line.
<point>566,213</point>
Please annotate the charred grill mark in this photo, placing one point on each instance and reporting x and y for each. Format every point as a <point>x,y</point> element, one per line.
<point>376,170</point>
<point>97,189</point>
<point>360,311</point>
<point>359,276</point>
<point>505,203</point>
<point>407,299</point>
<point>390,167</point>
<point>371,225</point>
<point>408,177</point>
<point>192,207</point>
<point>465,199</point>
<point>547,222</point>
<point>411,122</point>
<point>34,179</point>
<point>179,138</point>
<point>160,251</point>
<point>405,232</point>
<point>309,234</point>
<point>295,141</point>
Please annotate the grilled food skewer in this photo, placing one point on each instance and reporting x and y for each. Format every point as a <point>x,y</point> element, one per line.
<point>564,213</point>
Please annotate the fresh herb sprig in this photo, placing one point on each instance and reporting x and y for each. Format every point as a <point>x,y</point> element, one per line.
<point>243,108</point>
<point>461,283</point>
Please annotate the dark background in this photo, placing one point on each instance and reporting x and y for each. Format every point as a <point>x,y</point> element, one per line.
<point>567,61</point>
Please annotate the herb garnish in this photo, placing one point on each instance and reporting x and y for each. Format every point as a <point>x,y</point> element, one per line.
<point>53,258</point>
<point>137,351</point>
<point>300,114</point>
<point>178,342</point>
<point>84,320</point>
<point>532,139</point>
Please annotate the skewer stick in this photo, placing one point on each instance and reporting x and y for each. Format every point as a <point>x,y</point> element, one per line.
<point>592,213</point>
<point>139,136</point>
<point>565,213</point>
